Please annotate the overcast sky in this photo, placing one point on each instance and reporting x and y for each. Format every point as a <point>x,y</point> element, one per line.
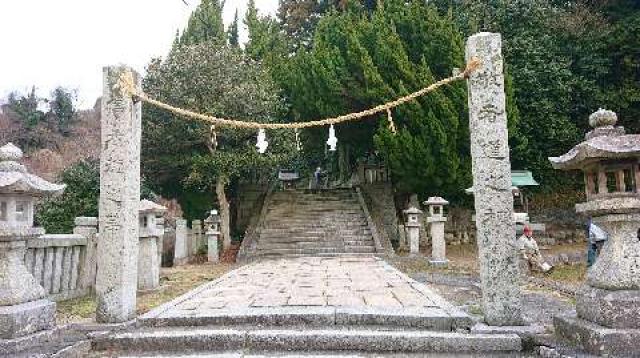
<point>49,43</point>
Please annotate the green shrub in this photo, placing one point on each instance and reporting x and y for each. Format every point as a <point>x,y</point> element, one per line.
<point>80,198</point>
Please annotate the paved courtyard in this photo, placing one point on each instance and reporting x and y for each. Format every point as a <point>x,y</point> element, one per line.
<point>316,290</point>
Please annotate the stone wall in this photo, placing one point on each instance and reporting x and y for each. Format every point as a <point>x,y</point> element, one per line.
<point>57,262</point>
<point>551,226</point>
<point>379,199</point>
<point>248,203</point>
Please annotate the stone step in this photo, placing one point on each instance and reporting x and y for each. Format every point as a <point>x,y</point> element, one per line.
<point>355,221</point>
<point>302,251</point>
<point>316,232</point>
<point>330,339</point>
<point>267,256</point>
<point>300,245</point>
<point>306,354</point>
<point>361,249</point>
<point>295,212</point>
<point>276,239</point>
<point>313,244</point>
<point>310,202</point>
<point>367,242</point>
<point>311,226</point>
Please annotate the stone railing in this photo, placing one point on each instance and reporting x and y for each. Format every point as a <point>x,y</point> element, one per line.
<point>57,262</point>
<point>372,173</point>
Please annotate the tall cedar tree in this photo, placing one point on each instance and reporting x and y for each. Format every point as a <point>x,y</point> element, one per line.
<point>205,24</point>
<point>232,33</point>
<point>360,59</point>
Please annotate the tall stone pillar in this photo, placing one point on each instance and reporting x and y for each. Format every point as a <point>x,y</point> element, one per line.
<point>117,258</point>
<point>180,256</point>
<point>499,271</point>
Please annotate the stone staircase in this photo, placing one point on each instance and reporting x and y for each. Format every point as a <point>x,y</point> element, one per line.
<point>306,223</point>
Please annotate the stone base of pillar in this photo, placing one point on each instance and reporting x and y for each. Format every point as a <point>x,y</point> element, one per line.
<point>26,318</point>
<point>613,309</point>
<point>607,322</point>
<point>439,263</point>
<point>180,261</point>
<point>597,339</point>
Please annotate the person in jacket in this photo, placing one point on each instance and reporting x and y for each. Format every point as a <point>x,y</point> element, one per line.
<point>529,250</point>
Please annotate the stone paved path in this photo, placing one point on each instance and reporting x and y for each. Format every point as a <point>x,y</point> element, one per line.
<point>323,290</point>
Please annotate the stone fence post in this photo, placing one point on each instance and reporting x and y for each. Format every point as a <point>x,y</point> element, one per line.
<point>181,255</point>
<point>436,222</point>
<point>413,229</point>
<point>491,167</point>
<point>213,237</point>
<point>151,233</point>
<point>117,273</point>
<point>88,227</point>
<point>196,234</point>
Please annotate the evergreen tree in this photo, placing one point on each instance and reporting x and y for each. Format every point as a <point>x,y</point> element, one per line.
<point>62,108</point>
<point>299,19</point>
<point>266,42</point>
<point>179,155</point>
<point>234,37</point>
<point>360,59</point>
<point>26,107</point>
<point>205,24</point>
<point>567,58</point>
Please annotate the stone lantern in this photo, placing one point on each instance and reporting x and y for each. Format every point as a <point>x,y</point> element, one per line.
<point>212,225</point>
<point>23,309</point>
<point>149,250</point>
<point>436,221</point>
<point>413,229</point>
<point>608,306</point>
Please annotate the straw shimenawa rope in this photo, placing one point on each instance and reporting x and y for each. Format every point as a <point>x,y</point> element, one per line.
<point>127,85</point>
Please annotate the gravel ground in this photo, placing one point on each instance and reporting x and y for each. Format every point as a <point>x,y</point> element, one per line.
<point>540,304</point>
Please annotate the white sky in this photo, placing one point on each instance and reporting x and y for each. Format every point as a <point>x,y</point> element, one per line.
<point>49,43</point>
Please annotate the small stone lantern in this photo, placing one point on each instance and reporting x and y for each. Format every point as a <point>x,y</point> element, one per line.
<point>149,249</point>
<point>212,223</point>
<point>23,309</point>
<point>608,306</point>
<point>413,229</point>
<point>436,221</point>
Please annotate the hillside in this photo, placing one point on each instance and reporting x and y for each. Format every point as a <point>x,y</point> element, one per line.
<point>48,150</point>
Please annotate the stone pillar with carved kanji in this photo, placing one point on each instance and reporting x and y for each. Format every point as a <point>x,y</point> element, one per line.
<point>436,220</point>
<point>23,308</point>
<point>412,226</point>
<point>608,305</point>
<point>491,168</point>
<point>117,273</point>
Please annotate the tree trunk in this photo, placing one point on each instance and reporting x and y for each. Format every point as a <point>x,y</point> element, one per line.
<point>225,230</point>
